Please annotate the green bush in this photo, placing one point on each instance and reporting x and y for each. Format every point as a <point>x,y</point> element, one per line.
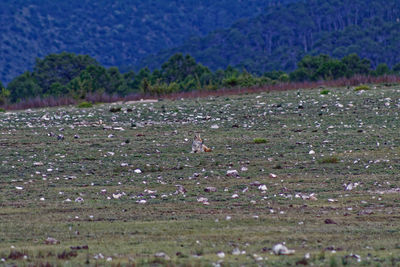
<point>259,140</point>
<point>2,110</point>
<point>85,104</point>
<point>325,92</point>
<point>362,88</point>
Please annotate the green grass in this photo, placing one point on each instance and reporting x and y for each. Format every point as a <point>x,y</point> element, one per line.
<point>325,92</point>
<point>362,88</point>
<point>331,159</point>
<point>358,133</point>
<point>85,104</point>
<point>260,140</point>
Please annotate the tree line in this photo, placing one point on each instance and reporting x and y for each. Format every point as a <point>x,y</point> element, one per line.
<point>68,74</point>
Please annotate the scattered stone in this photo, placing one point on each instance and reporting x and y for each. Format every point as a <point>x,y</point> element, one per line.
<point>330,221</point>
<point>236,251</point>
<point>221,254</point>
<point>232,173</point>
<point>350,186</point>
<point>79,200</point>
<point>162,255</point>
<point>180,189</point>
<point>255,183</point>
<point>280,249</point>
<point>51,241</point>
<point>263,187</point>
<point>98,256</point>
<point>210,189</point>
<point>271,175</point>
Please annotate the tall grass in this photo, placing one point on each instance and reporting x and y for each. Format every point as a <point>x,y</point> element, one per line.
<point>52,101</point>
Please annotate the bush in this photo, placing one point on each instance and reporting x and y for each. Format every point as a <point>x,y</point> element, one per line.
<point>259,140</point>
<point>85,104</point>
<point>325,92</point>
<point>327,160</point>
<point>2,110</point>
<point>362,88</point>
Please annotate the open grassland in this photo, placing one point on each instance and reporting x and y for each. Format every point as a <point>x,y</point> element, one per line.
<point>319,172</point>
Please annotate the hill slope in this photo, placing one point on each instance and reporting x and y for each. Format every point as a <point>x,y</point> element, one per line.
<point>116,33</point>
<point>280,37</point>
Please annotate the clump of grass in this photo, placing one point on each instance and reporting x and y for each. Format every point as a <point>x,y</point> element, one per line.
<point>325,92</point>
<point>330,160</point>
<point>362,88</point>
<point>259,140</point>
<point>2,110</point>
<point>85,104</point>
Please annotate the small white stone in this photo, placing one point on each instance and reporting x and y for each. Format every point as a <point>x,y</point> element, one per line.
<point>221,254</point>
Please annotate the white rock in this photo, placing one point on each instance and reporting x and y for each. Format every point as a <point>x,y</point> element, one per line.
<point>263,187</point>
<point>280,249</point>
<point>221,254</point>
<point>214,126</point>
<point>312,152</point>
<point>138,171</point>
<point>235,196</point>
<point>19,187</point>
<point>162,255</point>
<point>236,251</point>
<point>117,196</point>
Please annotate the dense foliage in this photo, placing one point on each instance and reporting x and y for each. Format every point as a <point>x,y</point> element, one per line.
<point>76,76</point>
<point>116,33</point>
<point>283,35</point>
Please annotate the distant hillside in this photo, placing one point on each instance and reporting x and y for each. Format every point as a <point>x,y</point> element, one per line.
<point>280,37</point>
<point>116,33</point>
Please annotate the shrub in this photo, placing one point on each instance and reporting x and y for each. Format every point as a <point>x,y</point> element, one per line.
<point>326,160</point>
<point>85,104</point>
<point>2,110</point>
<point>325,92</point>
<point>362,88</point>
<point>259,140</point>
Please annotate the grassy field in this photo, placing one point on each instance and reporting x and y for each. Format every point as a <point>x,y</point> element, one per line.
<point>316,172</point>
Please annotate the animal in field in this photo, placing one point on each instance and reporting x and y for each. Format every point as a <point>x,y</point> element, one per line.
<point>198,146</point>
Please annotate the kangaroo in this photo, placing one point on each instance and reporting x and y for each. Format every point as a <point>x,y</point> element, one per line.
<point>198,146</point>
